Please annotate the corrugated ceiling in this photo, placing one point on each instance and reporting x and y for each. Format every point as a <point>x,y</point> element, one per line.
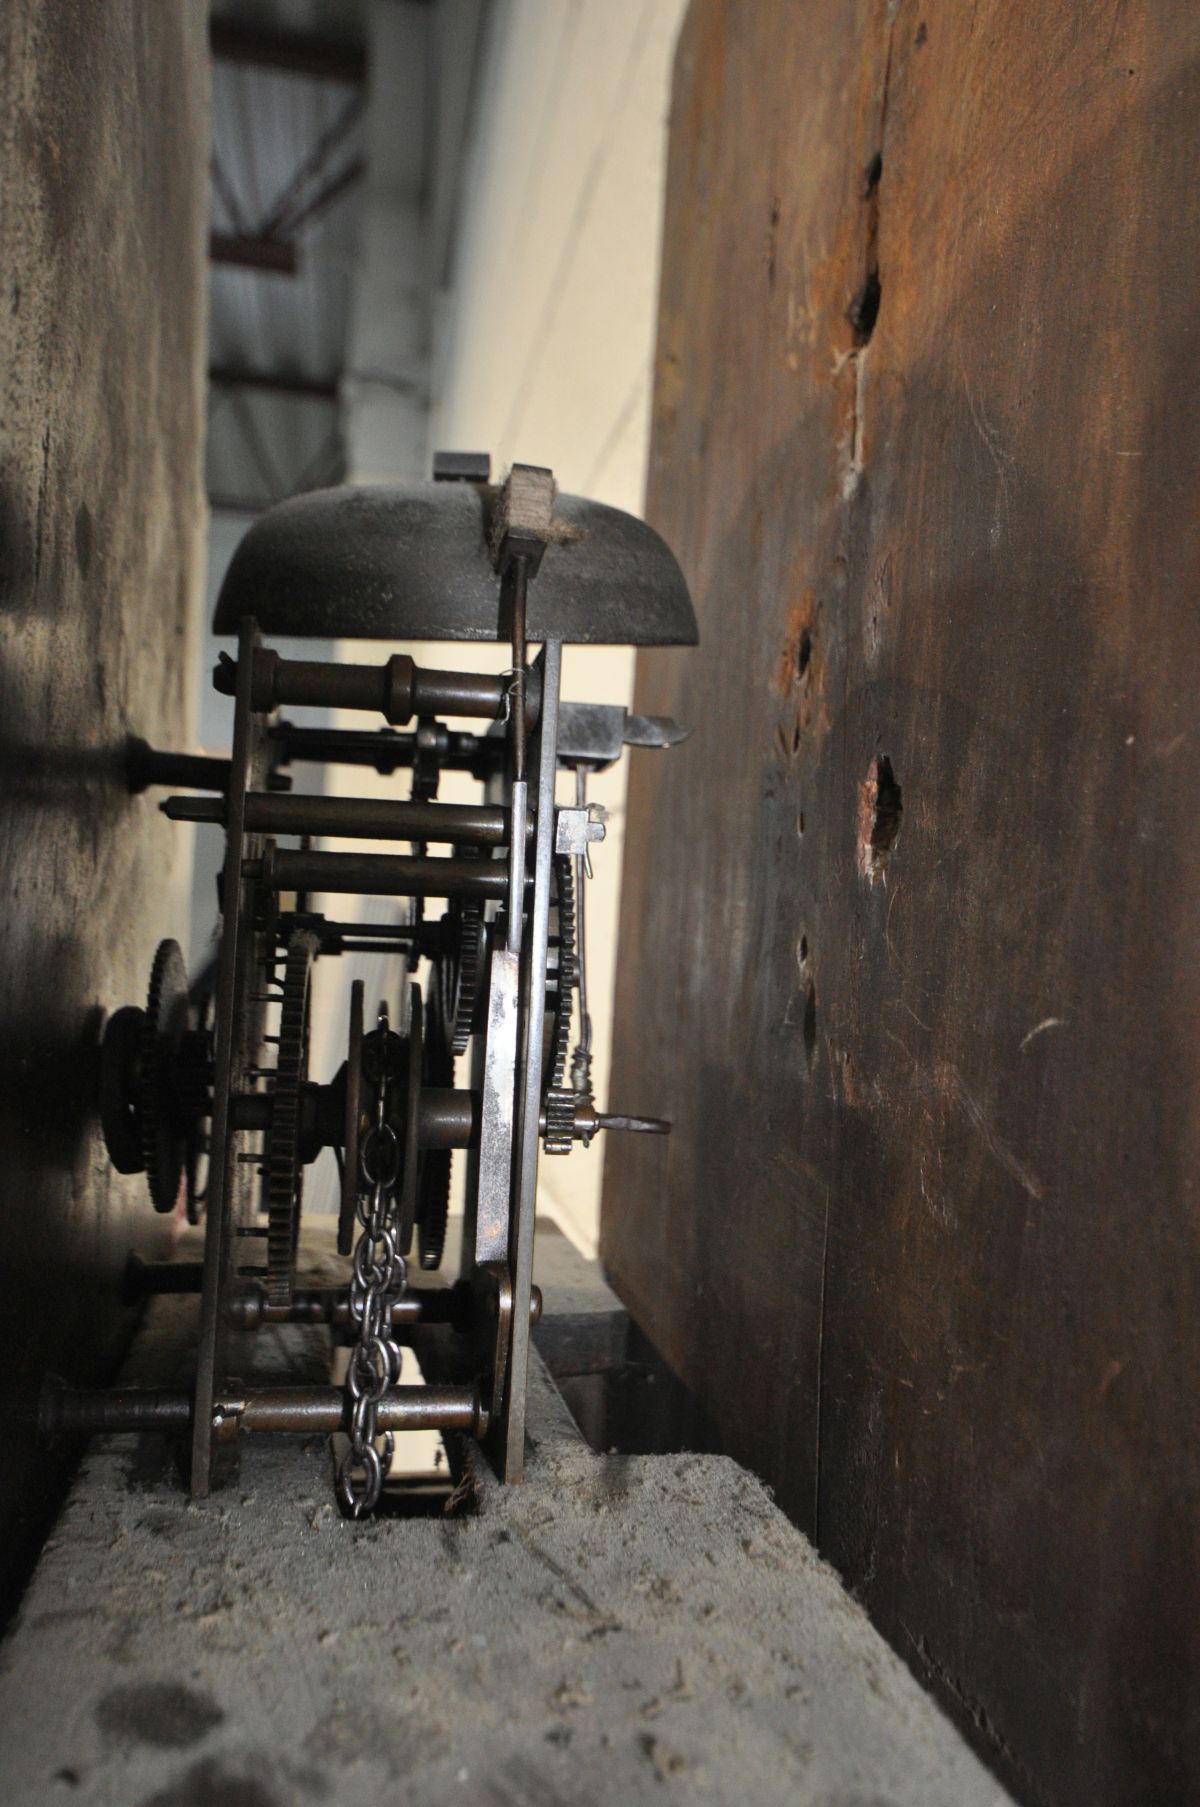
<point>286,147</point>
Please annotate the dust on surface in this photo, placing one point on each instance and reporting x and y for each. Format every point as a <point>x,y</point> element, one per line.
<point>619,1629</point>
<point>165,1714</point>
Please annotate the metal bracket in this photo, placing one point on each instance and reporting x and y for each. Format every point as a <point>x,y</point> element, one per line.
<point>576,829</point>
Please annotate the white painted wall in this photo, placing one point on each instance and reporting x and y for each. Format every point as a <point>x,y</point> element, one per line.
<point>385,391</point>
<point>544,343</point>
<point>534,276</point>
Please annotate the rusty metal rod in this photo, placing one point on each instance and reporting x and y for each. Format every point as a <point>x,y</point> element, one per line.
<point>448,1116</point>
<point>77,1411</point>
<point>71,1411</point>
<point>146,765</point>
<point>331,1305</point>
<point>383,749</point>
<point>370,818</point>
<point>379,874</point>
<point>308,1410</point>
<point>143,1278</point>
<point>398,689</point>
<point>309,1304</point>
<point>520,586</point>
<point>355,818</point>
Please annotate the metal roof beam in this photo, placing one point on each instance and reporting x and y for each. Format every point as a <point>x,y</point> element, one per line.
<point>275,255</point>
<point>276,382</point>
<point>249,505</point>
<point>324,198</point>
<point>291,53</point>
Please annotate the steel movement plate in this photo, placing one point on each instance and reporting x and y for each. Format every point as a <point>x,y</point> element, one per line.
<point>391,563</point>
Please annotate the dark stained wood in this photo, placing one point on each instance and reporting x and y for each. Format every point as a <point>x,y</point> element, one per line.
<point>103,215</point>
<point>925,1242</point>
<point>584,1328</point>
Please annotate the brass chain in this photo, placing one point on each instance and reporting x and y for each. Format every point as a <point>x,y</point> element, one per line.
<point>378,1278</point>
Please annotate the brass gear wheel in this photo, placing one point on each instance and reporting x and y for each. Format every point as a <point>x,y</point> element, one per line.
<point>283,1169</point>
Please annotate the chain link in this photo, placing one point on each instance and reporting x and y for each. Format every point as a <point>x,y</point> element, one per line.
<point>379,1275</point>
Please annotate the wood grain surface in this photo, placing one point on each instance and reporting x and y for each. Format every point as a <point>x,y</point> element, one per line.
<point>909,925</point>
<point>103,224</point>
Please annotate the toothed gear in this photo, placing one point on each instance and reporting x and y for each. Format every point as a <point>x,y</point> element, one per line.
<point>433,1194</point>
<point>120,1115</point>
<point>283,1169</point>
<point>558,1137</point>
<point>558,1102</point>
<point>165,1130</point>
<point>354,1123</point>
<point>468,977</point>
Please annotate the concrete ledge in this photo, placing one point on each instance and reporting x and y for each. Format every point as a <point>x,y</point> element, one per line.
<point>616,1628</point>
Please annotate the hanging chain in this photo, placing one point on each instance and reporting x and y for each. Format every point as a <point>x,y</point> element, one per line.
<point>378,1278</point>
